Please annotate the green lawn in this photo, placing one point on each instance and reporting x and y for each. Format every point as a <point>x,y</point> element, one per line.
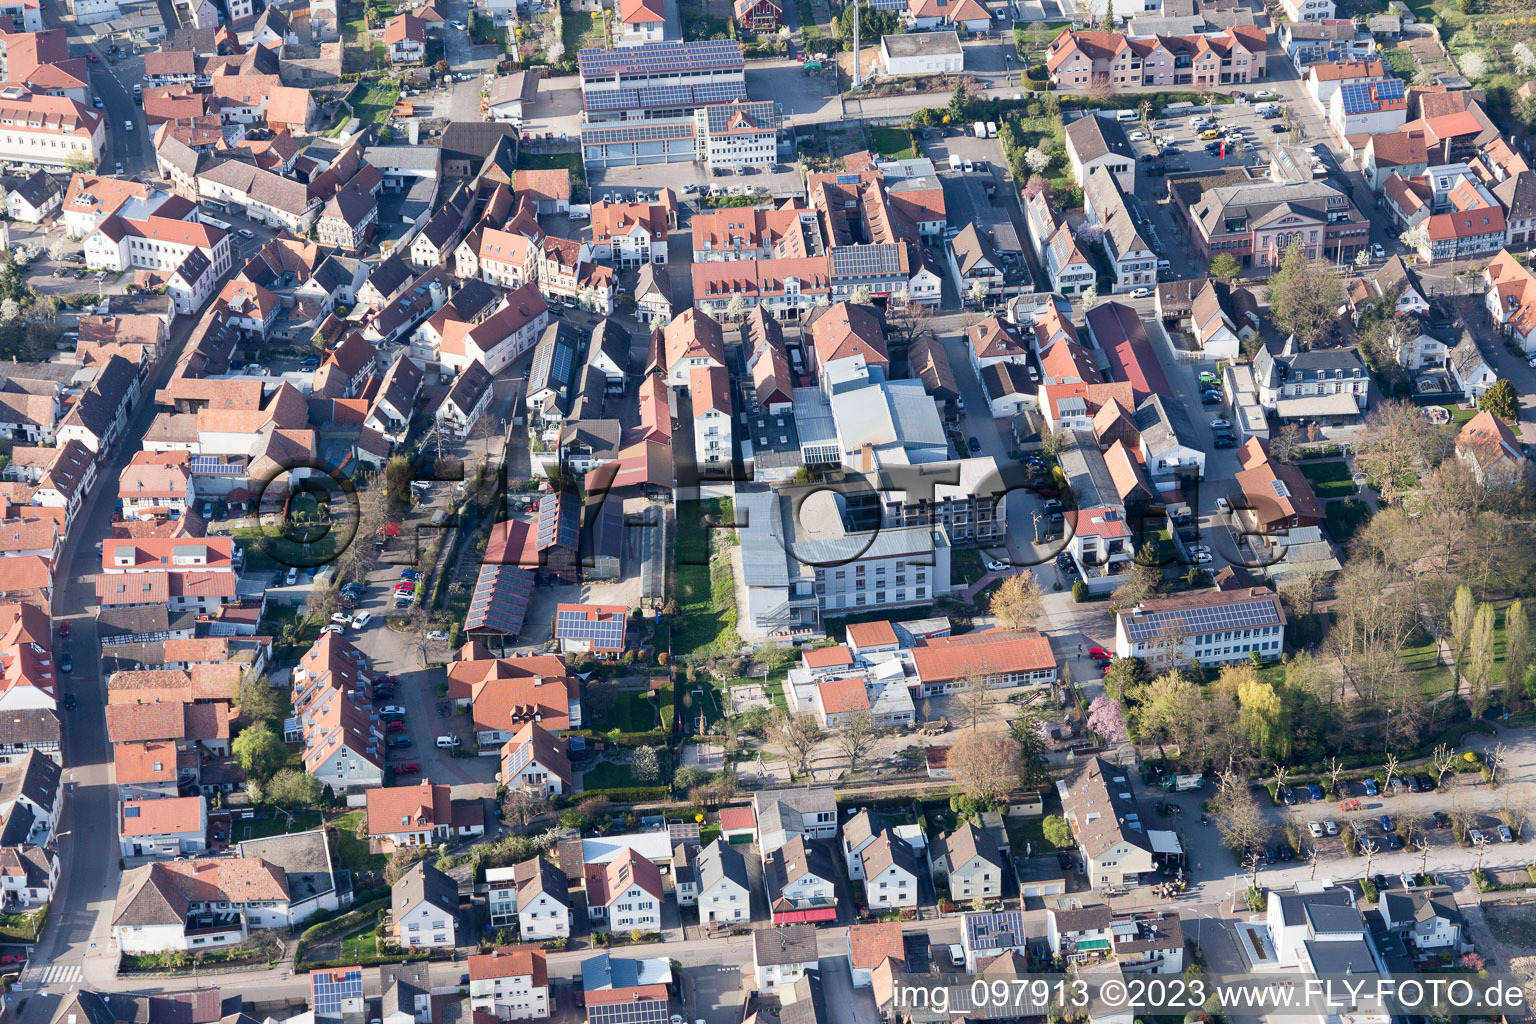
<point>362,944</point>
<point>1401,62</point>
<point>894,143</point>
<point>1345,517</point>
<point>632,711</point>
<point>579,31</point>
<point>607,775</point>
<point>1459,416</point>
<point>274,825</point>
<point>701,620</point>
<point>1329,479</point>
<point>354,851</point>
<point>372,103</point>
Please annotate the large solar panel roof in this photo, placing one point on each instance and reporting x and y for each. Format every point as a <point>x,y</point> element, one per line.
<point>660,58</point>
<point>650,1011</point>
<point>651,97</point>
<point>500,601</point>
<point>327,993</point>
<point>1357,95</point>
<point>604,630</point>
<point>1213,618</point>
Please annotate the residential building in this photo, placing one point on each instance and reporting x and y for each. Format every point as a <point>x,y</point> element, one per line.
<point>1510,298</point>
<point>624,894</point>
<point>801,883</point>
<point>870,946</point>
<point>921,53</point>
<point>781,814</point>
<point>629,234</point>
<point>1276,496</point>
<point>535,759</point>
<point>758,15</point>
<point>510,982</point>
<point>725,891</point>
<point>1212,627</point>
<point>405,39</point>
<point>421,815</point>
<point>1257,221</point>
<point>1100,142</point>
<point>1427,919</point>
<point>889,866</point>
<point>782,956</point>
<point>1131,256</point>
<point>1005,658</point>
<point>988,937</point>
<point>1079,59</point>
<point>969,862</point>
<point>617,990</point>
<point>536,895</point>
<point>424,909</point>
<point>1325,385</point>
<point>639,22</point>
<point>163,828</point>
<point>1492,450</point>
<point>1112,843</point>
<point>49,131</point>
<point>194,905</point>
<point>1308,10</point>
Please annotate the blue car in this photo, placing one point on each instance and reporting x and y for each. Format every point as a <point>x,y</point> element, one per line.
<point>410,574</point>
<point>1386,823</point>
<point>1314,791</point>
<point>1371,788</point>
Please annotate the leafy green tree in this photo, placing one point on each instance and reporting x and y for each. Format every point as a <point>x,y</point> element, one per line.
<point>1501,400</point>
<point>260,751</point>
<point>1225,265</point>
<point>1124,677</point>
<point>959,102</point>
<point>292,786</point>
<point>1304,296</point>
<point>1056,830</point>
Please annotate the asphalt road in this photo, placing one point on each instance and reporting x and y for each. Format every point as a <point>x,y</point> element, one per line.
<point>78,933</point>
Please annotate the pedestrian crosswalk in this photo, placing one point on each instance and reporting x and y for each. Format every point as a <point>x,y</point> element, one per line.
<point>54,974</point>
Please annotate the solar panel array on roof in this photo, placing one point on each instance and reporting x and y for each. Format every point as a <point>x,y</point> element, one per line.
<point>500,601</point>
<point>651,97</point>
<point>651,1011</point>
<point>866,260</point>
<point>519,760</point>
<point>659,58</point>
<point>209,465</point>
<point>1359,96</point>
<point>606,632</point>
<point>621,131</point>
<point>559,522</point>
<point>327,993</point>
<point>1239,615</point>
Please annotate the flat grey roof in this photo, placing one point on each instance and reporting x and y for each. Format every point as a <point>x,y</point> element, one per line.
<point>921,44</point>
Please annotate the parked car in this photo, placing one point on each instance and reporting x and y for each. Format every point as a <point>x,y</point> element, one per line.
<point>1505,835</point>
<point>408,768</point>
<point>394,725</point>
<point>1442,820</point>
<point>1331,827</point>
<point>1316,828</point>
<point>1288,795</point>
<point>1371,789</point>
<point>69,702</point>
<point>448,742</point>
<point>65,665</point>
<point>1409,882</point>
<point>361,619</point>
<point>996,566</point>
<point>16,958</point>
<point>332,629</point>
<point>341,620</point>
<point>1426,784</point>
<point>1394,841</point>
<point>63,629</point>
<point>1313,789</point>
<point>398,741</point>
<point>973,444</point>
<point>1385,821</point>
<point>1475,837</point>
<point>392,711</point>
<point>437,636</point>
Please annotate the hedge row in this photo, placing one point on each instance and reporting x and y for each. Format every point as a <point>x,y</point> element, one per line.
<point>360,961</point>
<point>630,794</point>
<point>650,737</point>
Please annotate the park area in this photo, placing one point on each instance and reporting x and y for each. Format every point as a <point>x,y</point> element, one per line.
<point>1490,40</point>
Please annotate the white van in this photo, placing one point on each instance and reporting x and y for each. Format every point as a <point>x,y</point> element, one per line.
<point>361,619</point>
<point>1125,115</point>
<point>954,162</point>
<point>447,742</point>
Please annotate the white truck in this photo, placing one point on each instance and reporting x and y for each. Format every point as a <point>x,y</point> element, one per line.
<point>980,128</point>
<point>991,129</point>
<point>954,162</point>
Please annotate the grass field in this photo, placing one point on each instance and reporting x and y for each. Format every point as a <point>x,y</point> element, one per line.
<point>607,775</point>
<point>1345,517</point>
<point>275,825</point>
<point>354,851</point>
<point>362,944</point>
<point>374,102</point>
<point>579,32</point>
<point>1329,479</point>
<point>632,711</point>
<point>893,143</point>
<point>701,619</point>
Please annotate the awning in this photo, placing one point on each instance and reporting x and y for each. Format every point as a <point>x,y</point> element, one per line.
<point>1165,842</point>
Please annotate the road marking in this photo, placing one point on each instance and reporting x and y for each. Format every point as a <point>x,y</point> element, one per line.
<point>56,974</point>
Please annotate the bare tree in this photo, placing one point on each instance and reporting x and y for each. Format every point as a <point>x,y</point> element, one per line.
<point>1422,845</point>
<point>985,764</point>
<point>1442,761</point>
<point>1335,772</point>
<point>1018,601</point>
<point>854,738</point>
<point>1242,824</point>
<point>798,735</point>
<point>1496,759</point>
<point>972,698</point>
<point>1368,847</point>
<point>1392,763</point>
<point>1282,773</point>
<point>525,806</point>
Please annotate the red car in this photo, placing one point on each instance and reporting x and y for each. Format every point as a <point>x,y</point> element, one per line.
<point>93,58</point>
<point>1099,654</point>
<point>63,629</point>
<point>395,726</point>
<point>12,958</point>
<point>409,768</point>
<point>387,680</point>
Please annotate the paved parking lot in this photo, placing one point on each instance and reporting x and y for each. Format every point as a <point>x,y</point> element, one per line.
<point>1183,150</point>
